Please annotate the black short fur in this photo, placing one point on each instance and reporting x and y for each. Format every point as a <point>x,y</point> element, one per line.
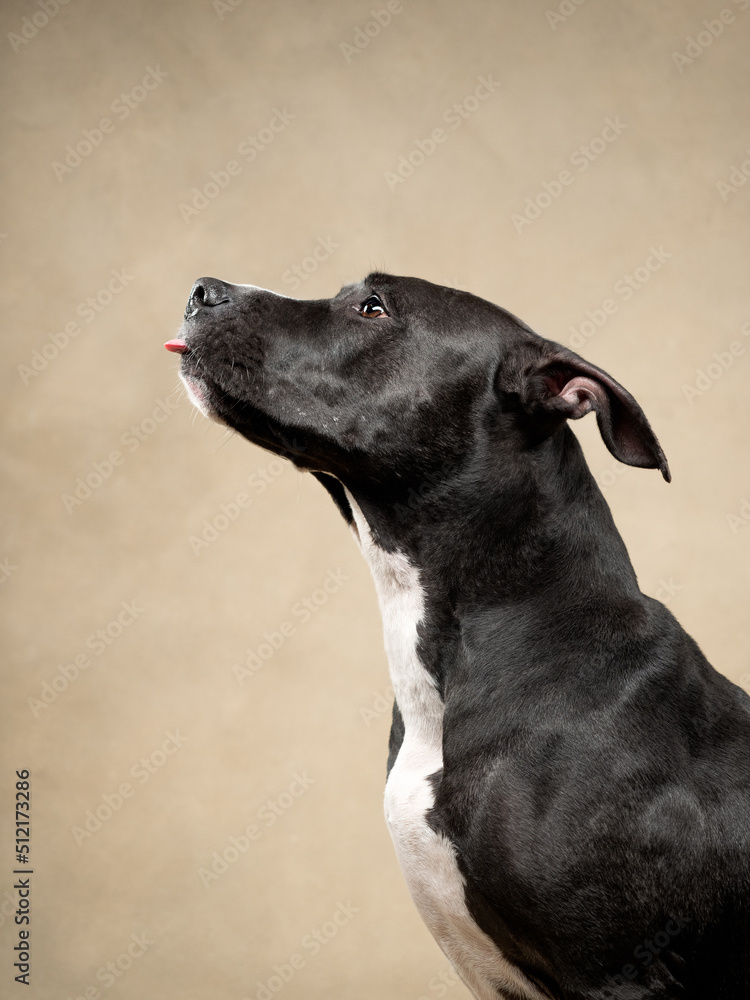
<point>596,777</point>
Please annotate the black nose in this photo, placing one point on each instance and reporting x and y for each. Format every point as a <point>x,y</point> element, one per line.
<point>206,293</point>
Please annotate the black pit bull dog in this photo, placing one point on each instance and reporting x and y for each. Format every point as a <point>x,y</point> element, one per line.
<point>569,779</point>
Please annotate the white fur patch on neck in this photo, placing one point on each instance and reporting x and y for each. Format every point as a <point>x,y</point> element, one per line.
<point>427,859</point>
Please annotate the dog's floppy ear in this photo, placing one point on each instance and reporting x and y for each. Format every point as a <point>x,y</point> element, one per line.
<point>563,386</point>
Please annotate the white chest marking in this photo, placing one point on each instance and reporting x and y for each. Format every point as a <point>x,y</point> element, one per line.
<point>427,859</point>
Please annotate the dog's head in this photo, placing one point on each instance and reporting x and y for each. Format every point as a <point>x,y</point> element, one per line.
<point>393,380</point>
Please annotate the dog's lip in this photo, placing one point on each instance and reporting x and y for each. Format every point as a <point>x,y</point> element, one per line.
<point>177,345</point>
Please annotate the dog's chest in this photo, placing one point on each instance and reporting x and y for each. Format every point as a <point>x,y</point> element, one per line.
<point>427,858</point>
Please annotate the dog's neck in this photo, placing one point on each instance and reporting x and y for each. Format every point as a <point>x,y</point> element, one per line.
<point>496,535</point>
<point>467,548</point>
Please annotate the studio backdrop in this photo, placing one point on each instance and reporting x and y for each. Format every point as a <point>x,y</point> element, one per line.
<point>195,693</point>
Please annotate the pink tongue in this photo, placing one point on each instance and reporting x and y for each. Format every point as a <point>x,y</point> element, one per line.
<point>178,346</point>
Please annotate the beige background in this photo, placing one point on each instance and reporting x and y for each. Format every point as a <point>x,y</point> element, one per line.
<point>315,708</point>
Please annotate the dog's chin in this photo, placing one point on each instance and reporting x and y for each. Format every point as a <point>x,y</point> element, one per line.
<point>199,396</point>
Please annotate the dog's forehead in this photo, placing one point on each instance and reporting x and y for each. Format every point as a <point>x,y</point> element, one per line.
<point>441,315</point>
<point>425,301</point>
<point>416,296</point>
<point>376,281</point>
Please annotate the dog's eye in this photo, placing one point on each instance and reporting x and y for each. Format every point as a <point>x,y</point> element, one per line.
<point>372,307</point>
